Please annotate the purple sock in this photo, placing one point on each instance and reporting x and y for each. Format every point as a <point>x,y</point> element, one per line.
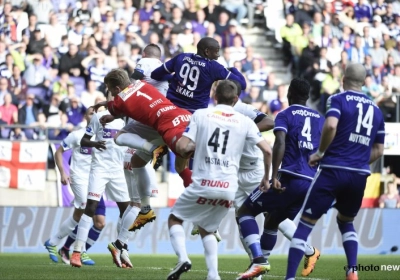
<point>251,235</point>
<point>94,234</point>
<point>268,241</point>
<point>71,238</point>
<point>297,247</point>
<point>350,241</point>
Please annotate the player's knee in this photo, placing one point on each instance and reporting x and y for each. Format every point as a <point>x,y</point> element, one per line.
<point>173,220</point>
<point>91,207</point>
<point>344,219</point>
<point>243,211</point>
<point>99,222</point>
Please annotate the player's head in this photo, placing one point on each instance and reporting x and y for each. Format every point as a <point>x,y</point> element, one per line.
<point>89,114</point>
<point>238,87</point>
<point>298,92</point>
<point>116,80</point>
<point>354,77</point>
<point>209,48</point>
<point>152,51</point>
<point>226,93</point>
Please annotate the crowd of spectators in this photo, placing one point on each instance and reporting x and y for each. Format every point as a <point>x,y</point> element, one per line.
<point>321,37</point>
<point>54,54</point>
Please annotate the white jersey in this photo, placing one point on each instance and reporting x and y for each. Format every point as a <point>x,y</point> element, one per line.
<point>252,155</point>
<point>220,134</point>
<point>146,66</point>
<point>81,156</point>
<point>112,158</point>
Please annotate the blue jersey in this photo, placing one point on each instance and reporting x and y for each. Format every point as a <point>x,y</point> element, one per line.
<point>360,125</point>
<point>191,84</point>
<point>303,127</point>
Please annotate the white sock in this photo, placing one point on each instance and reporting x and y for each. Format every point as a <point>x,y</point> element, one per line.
<point>210,244</point>
<point>143,180</point>
<point>127,221</point>
<point>288,227</point>
<point>65,228</point>
<point>145,205</point>
<point>178,241</point>
<point>126,212</point>
<point>83,232</point>
<point>119,224</point>
<point>248,251</point>
<point>134,141</point>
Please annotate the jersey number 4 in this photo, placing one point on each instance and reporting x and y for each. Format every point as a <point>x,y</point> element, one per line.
<point>213,141</point>
<point>306,131</point>
<point>191,73</point>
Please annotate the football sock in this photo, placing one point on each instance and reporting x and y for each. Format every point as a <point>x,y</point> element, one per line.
<point>145,206</point>
<point>71,238</point>
<point>243,242</point>
<point>134,141</point>
<point>350,241</point>
<point>177,236</point>
<point>83,232</point>
<point>119,224</point>
<point>94,234</point>
<point>127,222</point>
<point>297,247</point>
<point>186,176</point>
<point>268,241</point>
<point>143,181</point>
<point>210,244</point>
<point>249,229</point>
<point>126,211</point>
<point>287,228</point>
<point>66,228</point>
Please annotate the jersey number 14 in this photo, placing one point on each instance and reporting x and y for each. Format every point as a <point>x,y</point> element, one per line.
<point>213,141</point>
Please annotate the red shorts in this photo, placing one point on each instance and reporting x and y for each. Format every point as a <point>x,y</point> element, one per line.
<point>173,126</point>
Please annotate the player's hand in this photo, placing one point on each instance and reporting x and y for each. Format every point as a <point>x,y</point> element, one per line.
<point>276,186</point>
<point>106,119</point>
<point>97,106</point>
<point>265,186</point>
<point>65,180</point>
<point>100,145</point>
<point>314,159</point>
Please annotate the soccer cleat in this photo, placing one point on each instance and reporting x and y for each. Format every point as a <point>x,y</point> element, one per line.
<point>352,276</point>
<point>115,253</point>
<point>52,251</point>
<point>86,260</point>
<point>158,154</point>
<point>309,262</point>
<point>142,219</point>
<point>64,254</point>
<point>180,268</point>
<point>75,259</point>
<point>125,259</point>
<point>255,270</point>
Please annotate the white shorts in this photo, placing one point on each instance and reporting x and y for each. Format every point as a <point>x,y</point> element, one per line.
<point>146,132</point>
<point>205,208</point>
<point>79,187</point>
<point>135,193</point>
<point>112,182</point>
<point>248,181</point>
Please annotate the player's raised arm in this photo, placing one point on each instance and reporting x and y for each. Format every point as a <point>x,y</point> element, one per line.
<point>237,76</point>
<point>165,71</point>
<point>91,129</point>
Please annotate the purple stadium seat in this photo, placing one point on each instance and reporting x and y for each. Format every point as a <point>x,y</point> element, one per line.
<point>39,92</point>
<point>79,84</point>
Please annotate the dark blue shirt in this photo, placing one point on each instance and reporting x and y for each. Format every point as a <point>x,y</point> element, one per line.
<point>360,125</point>
<point>303,127</point>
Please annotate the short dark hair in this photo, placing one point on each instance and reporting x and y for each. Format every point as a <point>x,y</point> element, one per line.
<point>299,89</point>
<point>238,87</point>
<point>225,92</point>
<point>152,50</point>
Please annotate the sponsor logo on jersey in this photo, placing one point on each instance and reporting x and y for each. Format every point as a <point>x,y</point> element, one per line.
<point>181,119</point>
<point>214,184</point>
<point>64,145</point>
<point>305,113</point>
<point>88,129</point>
<point>85,150</point>
<point>131,89</point>
<point>94,194</point>
<point>187,129</point>
<point>109,133</point>
<point>165,109</point>
<point>214,202</point>
<point>223,114</point>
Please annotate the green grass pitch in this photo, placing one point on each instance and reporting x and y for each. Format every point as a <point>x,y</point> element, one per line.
<point>39,266</point>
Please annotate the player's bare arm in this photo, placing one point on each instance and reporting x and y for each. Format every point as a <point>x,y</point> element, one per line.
<point>99,105</point>
<point>265,124</point>
<point>328,133</point>
<point>185,147</point>
<point>278,152</point>
<point>59,162</point>
<point>106,119</point>
<point>376,152</point>
<point>86,142</point>
<point>266,150</point>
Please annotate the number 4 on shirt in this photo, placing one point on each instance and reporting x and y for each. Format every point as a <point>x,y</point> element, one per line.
<point>213,141</point>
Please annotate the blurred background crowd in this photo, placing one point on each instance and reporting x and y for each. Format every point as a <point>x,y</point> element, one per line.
<point>54,54</point>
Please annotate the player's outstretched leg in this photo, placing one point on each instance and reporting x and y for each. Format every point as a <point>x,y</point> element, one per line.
<point>52,251</point>
<point>158,155</point>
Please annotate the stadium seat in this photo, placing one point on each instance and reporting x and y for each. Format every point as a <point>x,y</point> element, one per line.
<point>79,84</point>
<point>39,92</point>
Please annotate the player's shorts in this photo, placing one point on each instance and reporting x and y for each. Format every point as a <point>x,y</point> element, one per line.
<point>248,181</point>
<point>111,182</point>
<point>173,126</point>
<point>205,208</point>
<point>281,205</point>
<point>136,189</point>
<point>79,187</point>
<point>146,132</point>
<point>347,187</point>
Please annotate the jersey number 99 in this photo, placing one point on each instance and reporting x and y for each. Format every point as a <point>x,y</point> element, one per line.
<point>191,73</point>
